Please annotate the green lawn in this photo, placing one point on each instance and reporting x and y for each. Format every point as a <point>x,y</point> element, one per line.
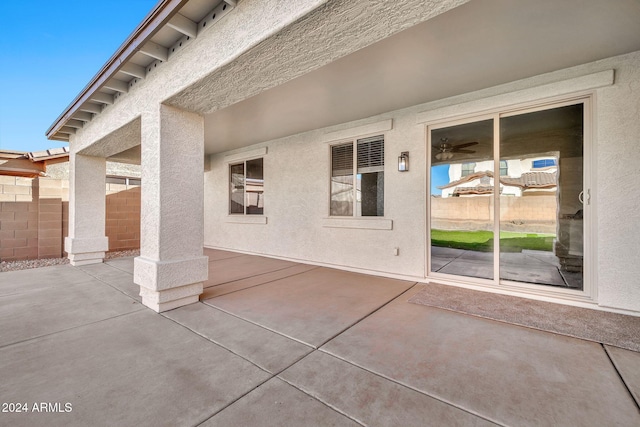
<point>483,240</point>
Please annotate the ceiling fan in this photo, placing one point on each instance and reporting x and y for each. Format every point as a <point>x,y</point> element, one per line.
<point>447,150</point>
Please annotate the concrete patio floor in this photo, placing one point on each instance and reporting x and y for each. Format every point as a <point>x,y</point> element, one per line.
<point>275,343</point>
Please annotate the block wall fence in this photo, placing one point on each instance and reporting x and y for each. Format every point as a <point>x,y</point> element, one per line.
<point>34,217</point>
<point>531,214</point>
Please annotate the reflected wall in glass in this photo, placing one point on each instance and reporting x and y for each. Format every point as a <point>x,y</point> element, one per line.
<point>236,192</point>
<point>539,188</point>
<point>541,215</point>
<point>254,192</point>
<point>461,205</point>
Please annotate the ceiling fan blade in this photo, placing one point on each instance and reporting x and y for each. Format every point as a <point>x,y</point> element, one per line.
<point>455,150</point>
<point>465,145</point>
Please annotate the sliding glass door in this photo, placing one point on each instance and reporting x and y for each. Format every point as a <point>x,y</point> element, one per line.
<point>507,197</point>
<point>462,206</point>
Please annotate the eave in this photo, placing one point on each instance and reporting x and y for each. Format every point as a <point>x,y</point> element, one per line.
<point>168,24</point>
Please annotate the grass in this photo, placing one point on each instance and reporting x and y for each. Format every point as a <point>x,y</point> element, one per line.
<point>482,241</point>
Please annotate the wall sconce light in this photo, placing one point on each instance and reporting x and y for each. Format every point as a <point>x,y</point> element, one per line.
<point>403,162</point>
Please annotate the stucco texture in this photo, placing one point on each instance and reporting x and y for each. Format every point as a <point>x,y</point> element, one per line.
<point>297,188</point>
<point>618,183</point>
<point>297,201</point>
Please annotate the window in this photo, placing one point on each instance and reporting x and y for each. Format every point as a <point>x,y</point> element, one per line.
<point>544,163</point>
<point>112,179</point>
<point>362,193</point>
<point>468,168</point>
<point>504,168</point>
<point>246,193</point>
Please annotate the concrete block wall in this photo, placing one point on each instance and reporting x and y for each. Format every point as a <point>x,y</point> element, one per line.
<point>18,218</point>
<point>34,217</point>
<point>49,228</point>
<point>535,214</point>
<point>123,216</point>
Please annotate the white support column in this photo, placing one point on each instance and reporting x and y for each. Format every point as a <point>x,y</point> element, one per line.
<point>171,268</point>
<point>87,242</point>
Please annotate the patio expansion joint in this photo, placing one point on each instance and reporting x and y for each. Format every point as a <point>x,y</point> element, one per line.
<point>624,383</point>
<point>459,256</point>
<point>259,325</point>
<point>408,386</point>
<point>73,327</point>
<point>118,268</point>
<point>369,314</point>
<point>328,405</point>
<point>520,325</point>
<point>109,284</point>
<point>263,383</point>
<point>227,250</point>
<point>257,275</point>
<point>273,374</point>
<point>391,379</point>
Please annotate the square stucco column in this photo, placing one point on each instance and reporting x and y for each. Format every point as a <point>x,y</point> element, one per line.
<point>86,243</point>
<point>171,268</point>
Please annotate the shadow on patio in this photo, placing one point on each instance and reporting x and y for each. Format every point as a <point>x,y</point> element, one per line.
<point>273,342</point>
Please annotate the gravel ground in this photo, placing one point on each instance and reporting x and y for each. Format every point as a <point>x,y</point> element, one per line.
<point>36,263</point>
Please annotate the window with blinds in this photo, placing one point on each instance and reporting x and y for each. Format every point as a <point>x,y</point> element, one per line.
<point>342,160</point>
<point>371,154</point>
<point>362,193</point>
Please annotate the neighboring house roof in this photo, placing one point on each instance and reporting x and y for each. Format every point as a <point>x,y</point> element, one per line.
<point>50,154</point>
<point>30,164</point>
<point>532,180</point>
<point>527,180</point>
<point>51,163</point>
<point>478,189</point>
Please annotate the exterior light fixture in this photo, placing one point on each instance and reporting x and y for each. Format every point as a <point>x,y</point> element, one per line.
<point>403,162</point>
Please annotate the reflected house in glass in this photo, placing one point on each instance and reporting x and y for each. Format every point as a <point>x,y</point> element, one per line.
<point>270,128</point>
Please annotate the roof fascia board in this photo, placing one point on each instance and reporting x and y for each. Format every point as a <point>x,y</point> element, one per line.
<point>152,23</point>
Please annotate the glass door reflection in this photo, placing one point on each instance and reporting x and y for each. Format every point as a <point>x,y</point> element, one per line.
<point>462,201</point>
<point>541,213</point>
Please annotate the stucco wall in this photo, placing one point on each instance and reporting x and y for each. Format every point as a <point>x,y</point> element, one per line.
<point>297,182</point>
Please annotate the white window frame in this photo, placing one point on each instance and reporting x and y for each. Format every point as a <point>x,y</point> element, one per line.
<point>588,294</point>
<point>354,147</point>
<point>343,136</point>
<point>237,158</point>
<point>549,93</point>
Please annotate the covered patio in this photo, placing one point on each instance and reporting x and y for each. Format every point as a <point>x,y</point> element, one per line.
<point>274,342</point>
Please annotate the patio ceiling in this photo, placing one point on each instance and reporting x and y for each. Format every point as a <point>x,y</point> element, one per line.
<point>478,45</point>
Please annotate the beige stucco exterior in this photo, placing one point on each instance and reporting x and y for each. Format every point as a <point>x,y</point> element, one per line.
<point>260,47</point>
<point>297,187</point>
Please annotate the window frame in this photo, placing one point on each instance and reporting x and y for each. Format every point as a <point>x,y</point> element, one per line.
<point>242,162</point>
<point>589,292</point>
<point>554,163</point>
<point>353,141</point>
<point>505,168</point>
<point>462,169</point>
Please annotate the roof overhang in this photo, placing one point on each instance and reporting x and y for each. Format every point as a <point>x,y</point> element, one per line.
<point>168,23</point>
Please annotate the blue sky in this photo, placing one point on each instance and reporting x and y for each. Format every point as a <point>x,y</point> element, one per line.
<point>439,177</point>
<point>49,51</point>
